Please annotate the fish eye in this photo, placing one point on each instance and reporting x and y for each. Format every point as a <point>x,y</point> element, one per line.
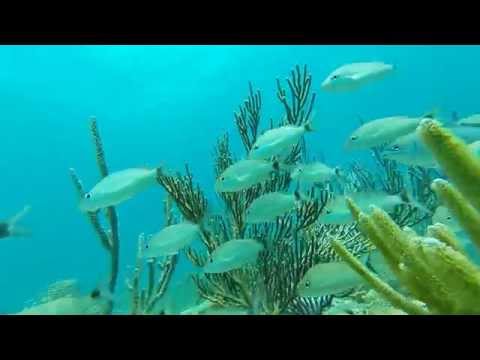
<point>353,138</point>
<point>255,147</point>
<point>395,147</point>
<point>328,211</point>
<point>147,246</point>
<point>449,218</point>
<point>88,196</point>
<point>222,178</point>
<point>335,77</point>
<point>307,284</point>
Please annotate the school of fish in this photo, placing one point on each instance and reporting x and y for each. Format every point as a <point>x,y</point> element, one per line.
<point>395,134</point>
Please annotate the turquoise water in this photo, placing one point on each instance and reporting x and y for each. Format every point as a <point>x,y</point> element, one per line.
<point>166,105</point>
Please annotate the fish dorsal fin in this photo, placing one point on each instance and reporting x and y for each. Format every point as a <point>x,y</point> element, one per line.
<point>60,289</point>
<point>15,218</point>
<point>404,196</point>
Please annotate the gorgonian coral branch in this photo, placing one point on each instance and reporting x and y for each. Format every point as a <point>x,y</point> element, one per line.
<point>189,198</point>
<point>248,118</point>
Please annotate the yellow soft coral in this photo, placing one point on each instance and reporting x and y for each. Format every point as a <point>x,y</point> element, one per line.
<point>434,269</point>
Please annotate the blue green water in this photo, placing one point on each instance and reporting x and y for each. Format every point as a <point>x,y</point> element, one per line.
<point>166,105</point>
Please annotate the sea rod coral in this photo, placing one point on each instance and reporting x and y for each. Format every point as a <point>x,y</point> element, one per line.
<point>438,277</point>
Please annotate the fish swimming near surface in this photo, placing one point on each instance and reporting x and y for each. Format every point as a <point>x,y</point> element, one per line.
<point>380,131</point>
<point>355,75</point>
<point>171,239</point>
<point>275,141</point>
<point>271,205</point>
<point>244,174</point>
<point>9,227</point>
<point>118,187</point>
<point>232,255</point>
<point>315,172</point>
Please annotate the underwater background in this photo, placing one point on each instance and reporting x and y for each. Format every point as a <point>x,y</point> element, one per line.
<point>167,105</point>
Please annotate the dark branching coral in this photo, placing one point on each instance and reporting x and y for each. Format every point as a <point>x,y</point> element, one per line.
<point>248,118</point>
<point>298,112</point>
<point>299,109</point>
<point>189,198</point>
<point>108,238</point>
<point>287,253</point>
<point>310,306</point>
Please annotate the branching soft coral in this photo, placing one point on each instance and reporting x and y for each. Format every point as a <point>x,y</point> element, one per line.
<point>433,270</point>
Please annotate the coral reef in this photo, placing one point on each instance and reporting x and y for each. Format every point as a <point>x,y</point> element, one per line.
<point>433,271</point>
<point>143,301</point>
<point>159,273</point>
<point>108,238</point>
<point>287,253</point>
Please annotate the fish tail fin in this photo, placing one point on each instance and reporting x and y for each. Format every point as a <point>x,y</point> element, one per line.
<point>339,172</point>
<point>19,231</point>
<point>407,199</point>
<point>404,196</point>
<point>298,195</point>
<point>308,126</point>
<point>279,165</point>
<point>15,218</point>
<point>276,165</point>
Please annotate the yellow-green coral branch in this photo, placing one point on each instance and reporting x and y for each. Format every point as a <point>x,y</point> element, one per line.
<point>455,158</point>
<point>443,233</point>
<point>466,214</point>
<point>394,297</point>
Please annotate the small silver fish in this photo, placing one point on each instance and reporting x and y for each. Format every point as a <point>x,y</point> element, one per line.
<point>410,150</point>
<point>472,120</point>
<point>353,76</point>
<point>10,228</point>
<point>245,174</point>
<point>171,239</point>
<point>232,255</point>
<point>275,141</point>
<point>444,216</point>
<point>381,131</point>
<point>337,277</point>
<point>328,279</point>
<point>475,147</point>
<point>117,188</point>
<point>337,212</point>
<point>314,172</point>
<point>429,241</point>
<point>96,303</point>
<point>271,205</point>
